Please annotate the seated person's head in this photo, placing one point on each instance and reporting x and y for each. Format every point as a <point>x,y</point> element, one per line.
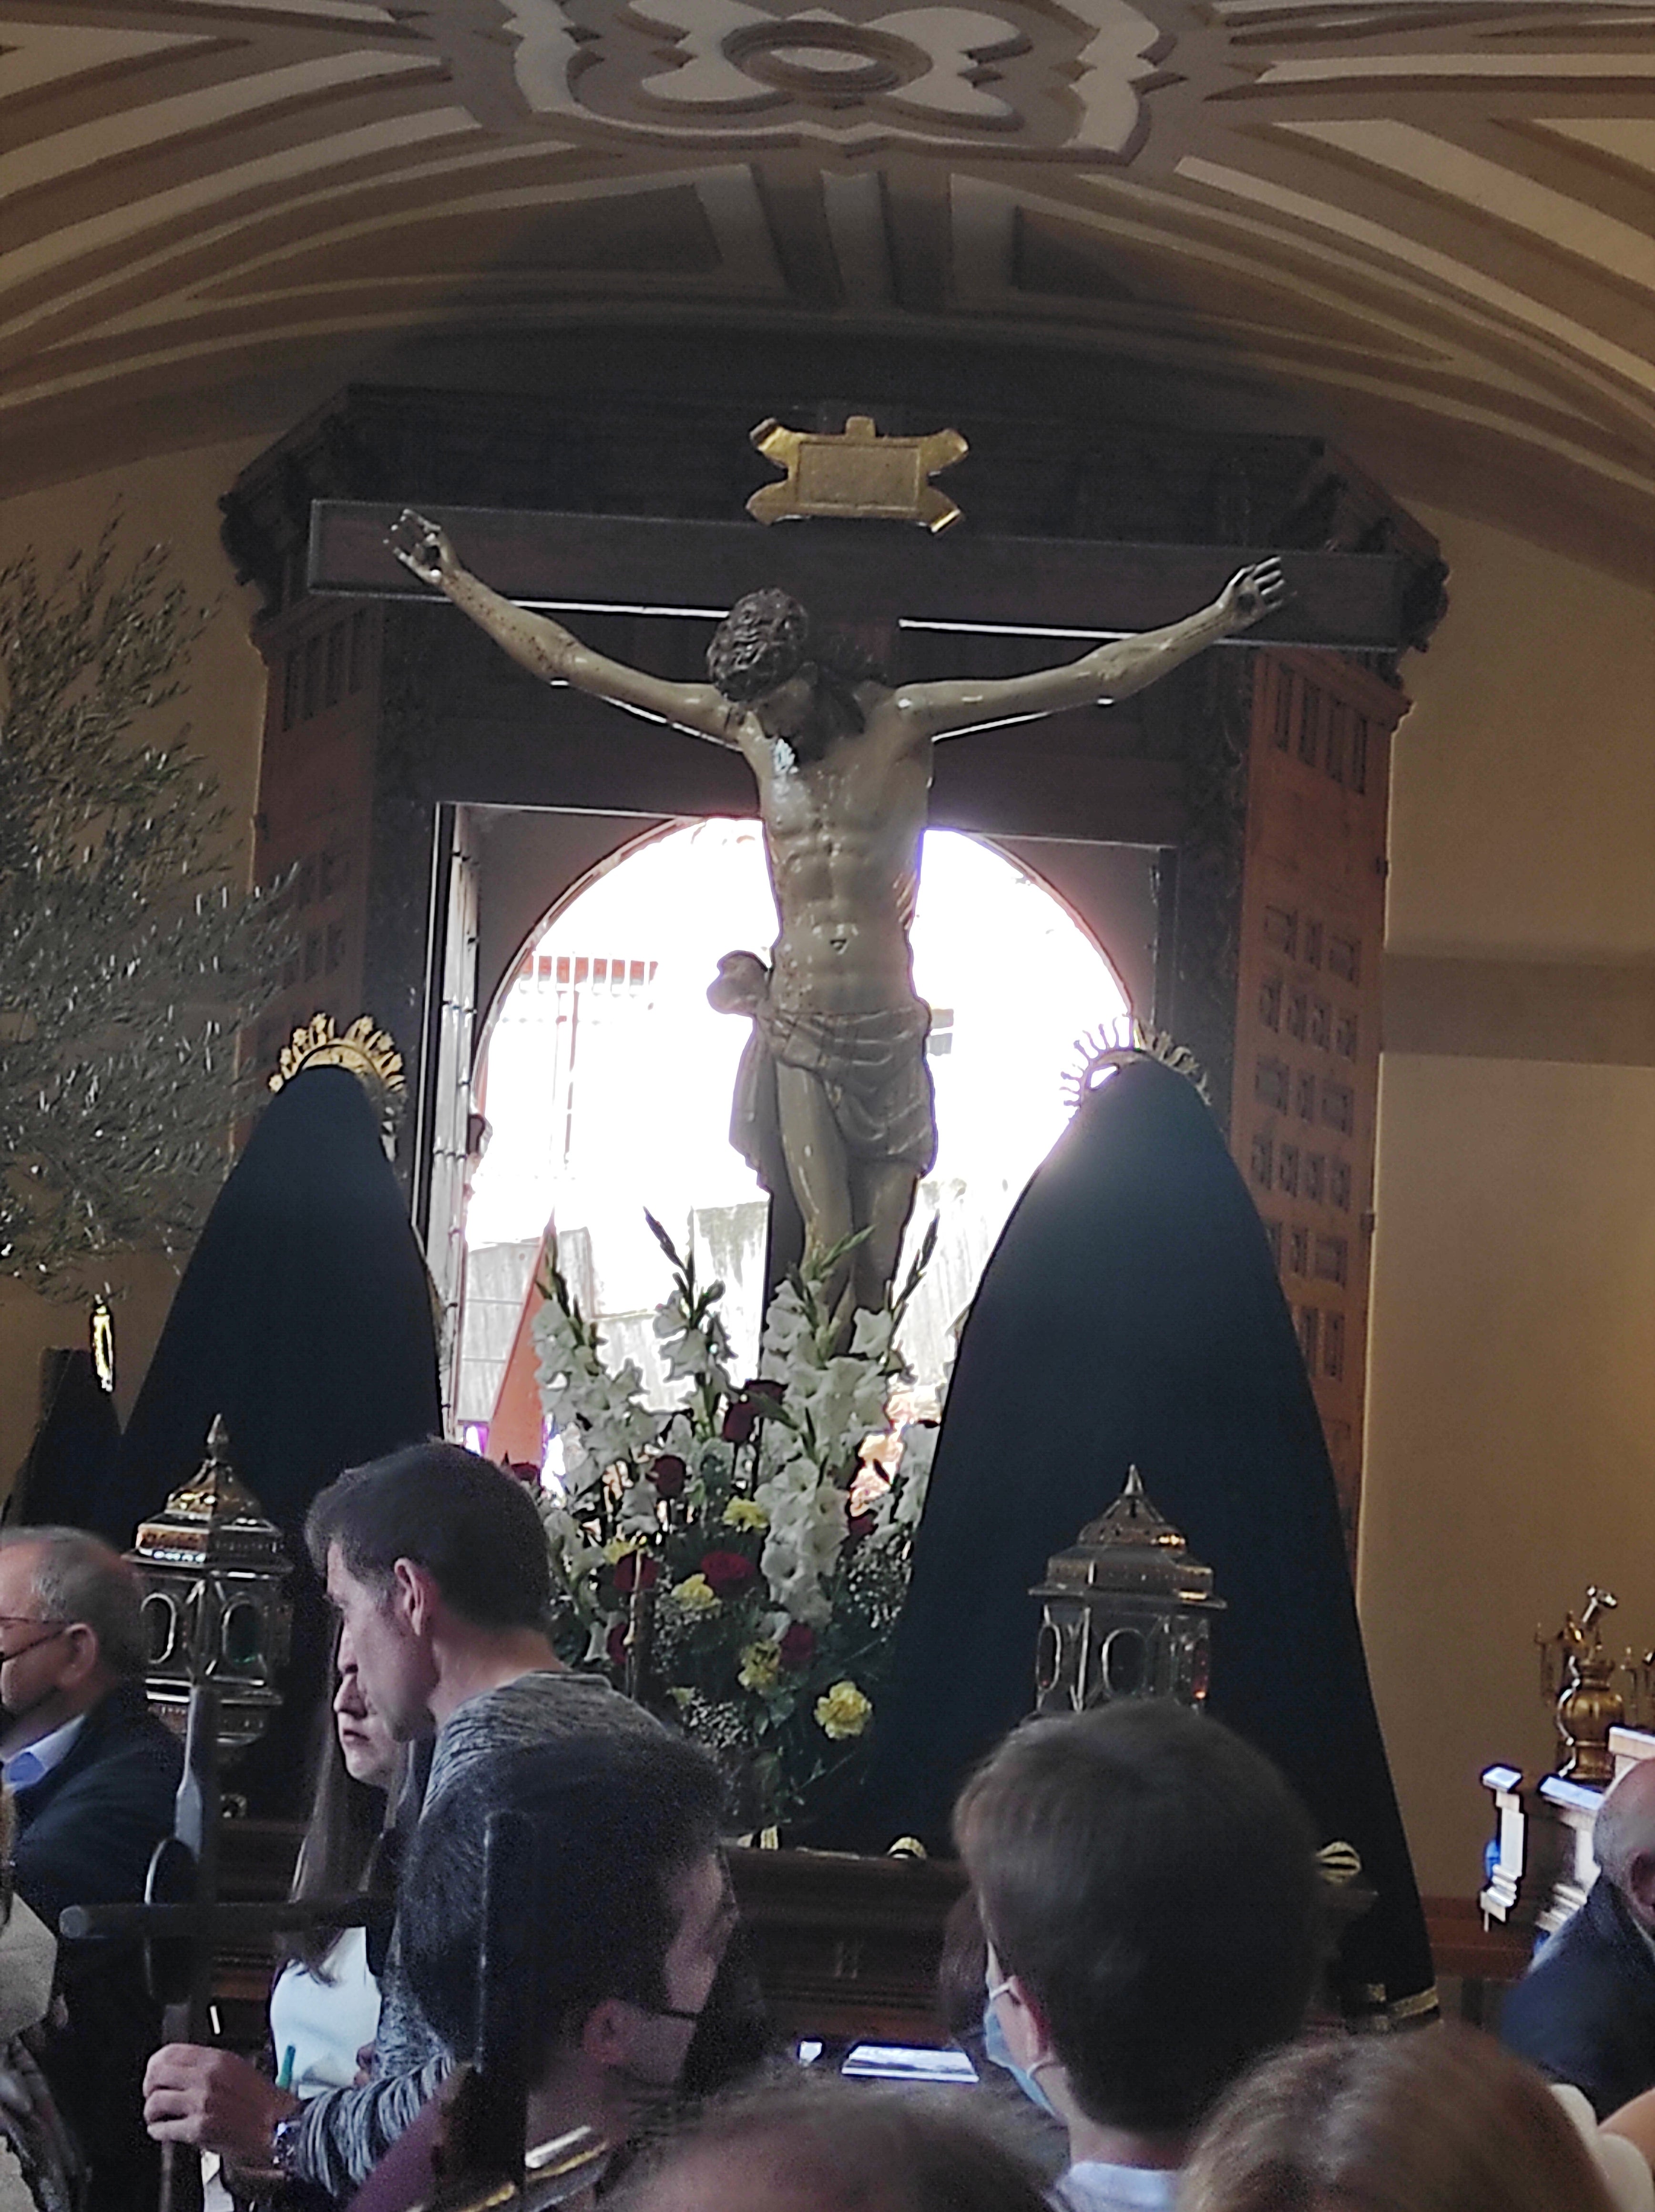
<point>1148,1887</point>
<point>71,1627</point>
<point>1440,2120</point>
<point>632,1901</point>
<point>833,2146</point>
<point>426,1553</point>
<point>1623,1840</point>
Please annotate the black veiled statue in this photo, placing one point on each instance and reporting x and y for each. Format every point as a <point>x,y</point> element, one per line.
<point>305,1317</point>
<point>1131,1314</point>
<point>74,1449</point>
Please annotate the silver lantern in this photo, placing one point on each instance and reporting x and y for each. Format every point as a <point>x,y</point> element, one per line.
<point>1126,1612</point>
<point>213,1571</point>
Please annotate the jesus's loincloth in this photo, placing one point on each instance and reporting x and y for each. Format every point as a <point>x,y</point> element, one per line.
<point>872,1067</point>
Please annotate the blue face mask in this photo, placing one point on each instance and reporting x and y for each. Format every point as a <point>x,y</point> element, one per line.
<point>998,2052</point>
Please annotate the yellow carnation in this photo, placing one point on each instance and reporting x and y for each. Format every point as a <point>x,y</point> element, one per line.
<point>844,1711</point>
<point>745,1513</point>
<point>761,1666</point>
<point>619,1546</point>
<point>695,1594</point>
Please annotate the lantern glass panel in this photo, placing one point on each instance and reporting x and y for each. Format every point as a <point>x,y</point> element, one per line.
<point>1125,1666</point>
<point>1048,1659</point>
<point>161,1627</point>
<point>240,1642</point>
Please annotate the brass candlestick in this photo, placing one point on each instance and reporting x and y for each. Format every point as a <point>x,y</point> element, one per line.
<point>1589,1704</point>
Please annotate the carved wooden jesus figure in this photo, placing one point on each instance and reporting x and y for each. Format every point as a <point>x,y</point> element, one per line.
<point>842,758</point>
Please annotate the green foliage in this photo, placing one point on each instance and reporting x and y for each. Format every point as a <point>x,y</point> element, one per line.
<point>127,955</point>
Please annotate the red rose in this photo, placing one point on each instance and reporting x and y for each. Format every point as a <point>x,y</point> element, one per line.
<point>798,1646</point>
<point>728,1571</point>
<point>617,1647</point>
<point>669,1474</point>
<point>632,1570</point>
<point>744,1412</point>
<point>857,1526</point>
<point>741,1419</point>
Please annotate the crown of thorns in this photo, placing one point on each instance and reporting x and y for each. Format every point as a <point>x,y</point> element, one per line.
<point>760,642</point>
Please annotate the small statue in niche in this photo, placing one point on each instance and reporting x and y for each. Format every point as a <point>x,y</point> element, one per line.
<point>842,758</point>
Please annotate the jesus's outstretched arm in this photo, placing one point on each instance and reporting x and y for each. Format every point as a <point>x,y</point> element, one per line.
<point>1110,672</point>
<point>549,651</point>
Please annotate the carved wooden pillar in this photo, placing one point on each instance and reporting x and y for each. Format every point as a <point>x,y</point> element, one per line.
<point>1311,928</point>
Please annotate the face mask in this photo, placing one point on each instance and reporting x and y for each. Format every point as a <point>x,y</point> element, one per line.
<point>998,2052</point>
<point>646,2092</point>
<point>28,1959</point>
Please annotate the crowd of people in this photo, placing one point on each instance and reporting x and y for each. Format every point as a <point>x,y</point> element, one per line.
<point>1133,1969</point>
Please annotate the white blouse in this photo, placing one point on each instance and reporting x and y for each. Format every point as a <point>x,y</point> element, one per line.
<point>327,2022</point>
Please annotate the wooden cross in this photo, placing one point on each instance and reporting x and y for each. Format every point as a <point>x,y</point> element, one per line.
<point>1084,589</point>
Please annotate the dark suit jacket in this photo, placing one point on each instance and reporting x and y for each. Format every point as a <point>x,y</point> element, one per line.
<point>1584,2012</point>
<point>85,1835</point>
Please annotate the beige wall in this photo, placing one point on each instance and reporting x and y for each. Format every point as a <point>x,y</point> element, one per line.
<point>172,499</point>
<point>1511,1454</point>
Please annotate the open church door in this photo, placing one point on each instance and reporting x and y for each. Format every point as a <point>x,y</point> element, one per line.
<point>444,1107</point>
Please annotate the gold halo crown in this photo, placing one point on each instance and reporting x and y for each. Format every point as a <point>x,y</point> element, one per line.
<point>370,1054</point>
<point>1104,1048</point>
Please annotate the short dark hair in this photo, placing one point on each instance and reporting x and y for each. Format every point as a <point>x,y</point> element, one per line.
<point>767,637</point>
<point>760,642</point>
<point>473,1529</point>
<point>617,1817</point>
<point>833,2146</point>
<point>1152,1880</point>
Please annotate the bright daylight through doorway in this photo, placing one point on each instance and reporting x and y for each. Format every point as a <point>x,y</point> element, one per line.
<point>607,1080</point>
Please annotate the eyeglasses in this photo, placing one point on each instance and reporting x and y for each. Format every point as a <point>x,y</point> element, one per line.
<point>31,1620</point>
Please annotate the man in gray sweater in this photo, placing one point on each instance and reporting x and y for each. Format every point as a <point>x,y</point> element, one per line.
<point>436,1563</point>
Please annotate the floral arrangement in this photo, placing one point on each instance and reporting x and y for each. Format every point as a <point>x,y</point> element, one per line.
<point>734,1561</point>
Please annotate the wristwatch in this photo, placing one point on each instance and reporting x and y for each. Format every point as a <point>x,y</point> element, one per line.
<point>284,2143</point>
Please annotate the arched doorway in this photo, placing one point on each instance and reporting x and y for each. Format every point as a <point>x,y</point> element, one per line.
<point>606,1080</point>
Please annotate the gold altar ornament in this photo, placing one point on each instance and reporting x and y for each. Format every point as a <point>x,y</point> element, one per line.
<point>213,1569</point>
<point>1589,1704</point>
<point>1126,1612</point>
<point>856,475</point>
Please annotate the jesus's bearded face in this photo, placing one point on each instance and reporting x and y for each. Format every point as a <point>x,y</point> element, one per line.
<point>798,714</point>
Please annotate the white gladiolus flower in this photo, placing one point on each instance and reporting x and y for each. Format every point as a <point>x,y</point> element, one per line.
<point>913,1476</point>
<point>687,1353</point>
<point>640,1510</point>
<point>872,1332</point>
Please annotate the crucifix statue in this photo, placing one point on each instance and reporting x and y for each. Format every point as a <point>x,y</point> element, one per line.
<point>842,758</point>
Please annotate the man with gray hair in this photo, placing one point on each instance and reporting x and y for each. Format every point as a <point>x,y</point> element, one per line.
<point>94,1776</point>
<point>1584,2012</point>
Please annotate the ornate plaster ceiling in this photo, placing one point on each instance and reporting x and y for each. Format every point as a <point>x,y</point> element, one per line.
<point>1435,217</point>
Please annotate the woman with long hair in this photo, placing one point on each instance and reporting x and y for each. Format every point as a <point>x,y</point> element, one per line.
<point>324,2007</point>
<point>1441,2120</point>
